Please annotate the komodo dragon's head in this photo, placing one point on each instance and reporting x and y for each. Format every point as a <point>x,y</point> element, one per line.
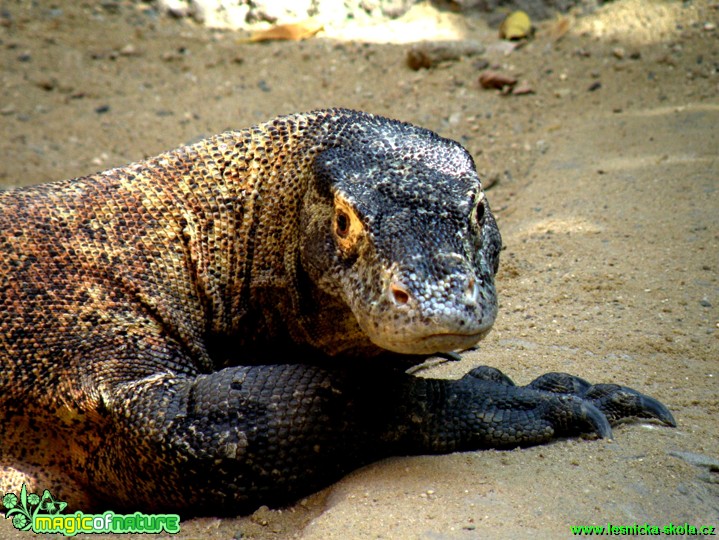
<point>396,225</point>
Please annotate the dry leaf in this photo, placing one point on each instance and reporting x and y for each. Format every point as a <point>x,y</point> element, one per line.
<point>516,25</point>
<point>292,31</point>
<point>559,28</point>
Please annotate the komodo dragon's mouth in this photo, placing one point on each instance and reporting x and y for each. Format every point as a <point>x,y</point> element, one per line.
<point>456,337</point>
<point>476,335</point>
<point>430,343</point>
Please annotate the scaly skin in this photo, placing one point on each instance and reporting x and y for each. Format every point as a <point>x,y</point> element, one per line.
<point>224,325</point>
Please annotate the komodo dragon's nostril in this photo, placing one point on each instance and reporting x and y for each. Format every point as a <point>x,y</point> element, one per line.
<point>472,290</point>
<point>399,294</point>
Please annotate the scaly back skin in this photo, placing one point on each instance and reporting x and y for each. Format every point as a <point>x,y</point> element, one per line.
<point>122,275</point>
<point>162,346</point>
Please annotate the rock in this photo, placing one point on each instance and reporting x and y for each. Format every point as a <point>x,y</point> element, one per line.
<point>175,8</point>
<point>430,53</point>
<point>522,89</point>
<point>495,79</point>
<point>279,10</point>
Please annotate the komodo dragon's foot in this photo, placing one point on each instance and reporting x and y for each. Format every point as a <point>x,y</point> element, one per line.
<point>554,404</point>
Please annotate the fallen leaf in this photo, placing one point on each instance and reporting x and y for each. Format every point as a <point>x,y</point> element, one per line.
<point>495,79</point>
<point>516,25</point>
<point>559,28</point>
<point>292,31</point>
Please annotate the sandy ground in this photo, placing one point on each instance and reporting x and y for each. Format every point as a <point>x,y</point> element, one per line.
<point>607,198</point>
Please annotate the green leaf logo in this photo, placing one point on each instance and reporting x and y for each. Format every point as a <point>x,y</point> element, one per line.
<point>22,509</point>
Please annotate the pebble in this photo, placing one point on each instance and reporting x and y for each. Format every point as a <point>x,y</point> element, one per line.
<point>176,8</point>
<point>262,516</point>
<point>431,53</point>
<point>522,89</point>
<point>47,84</point>
<point>495,79</point>
<point>542,146</point>
<point>129,50</point>
<point>99,160</point>
<point>480,64</point>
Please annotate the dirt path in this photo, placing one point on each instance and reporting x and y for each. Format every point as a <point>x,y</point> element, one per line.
<point>608,201</point>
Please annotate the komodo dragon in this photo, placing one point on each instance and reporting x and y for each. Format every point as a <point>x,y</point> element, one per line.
<point>230,324</point>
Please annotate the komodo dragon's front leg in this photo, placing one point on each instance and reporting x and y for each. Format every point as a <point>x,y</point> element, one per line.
<point>272,433</point>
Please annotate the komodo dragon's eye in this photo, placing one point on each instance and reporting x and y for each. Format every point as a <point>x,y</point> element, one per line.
<point>342,224</point>
<point>346,225</point>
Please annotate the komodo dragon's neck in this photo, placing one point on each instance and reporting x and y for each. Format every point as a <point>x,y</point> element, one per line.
<point>242,192</point>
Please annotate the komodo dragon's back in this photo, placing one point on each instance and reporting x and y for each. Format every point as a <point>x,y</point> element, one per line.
<point>227,324</point>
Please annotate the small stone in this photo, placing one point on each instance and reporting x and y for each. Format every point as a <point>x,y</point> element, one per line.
<point>129,50</point>
<point>176,8</point>
<point>261,516</point>
<point>522,89</point>
<point>99,160</point>
<point>494,79</point>
<point>618,52</point>
<point>480,64</point>
<point>431,53</point>
<point>46,84</point>
<point>582,53</point>
<point>173,56</point>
